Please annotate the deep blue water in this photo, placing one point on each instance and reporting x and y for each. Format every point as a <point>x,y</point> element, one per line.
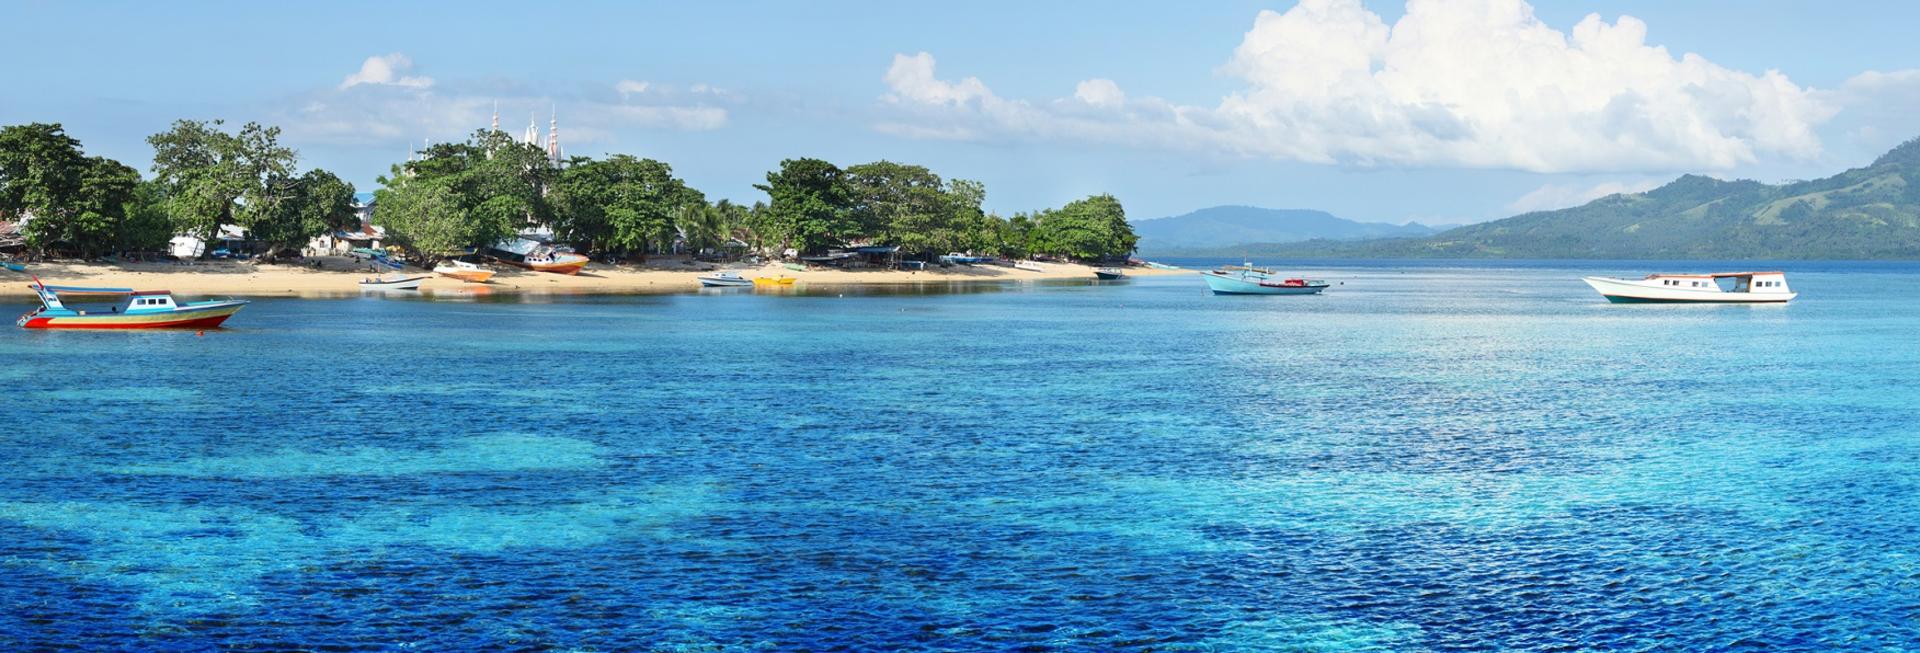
<point>1428,457</point>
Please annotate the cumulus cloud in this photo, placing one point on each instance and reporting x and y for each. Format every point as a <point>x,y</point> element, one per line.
<point>388,70</point>
<point>1877,109</point>
<point>1100,93</point>
<point>1474,83</point>
<point>1559,196</point>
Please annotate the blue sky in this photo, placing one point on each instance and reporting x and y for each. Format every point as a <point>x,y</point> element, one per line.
<point>1443,111</point>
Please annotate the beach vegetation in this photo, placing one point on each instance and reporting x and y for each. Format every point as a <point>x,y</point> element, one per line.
<point>79,204</point>
<point>209,177</point>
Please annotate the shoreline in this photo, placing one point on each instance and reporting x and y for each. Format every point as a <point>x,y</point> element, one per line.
<point>660,277</point>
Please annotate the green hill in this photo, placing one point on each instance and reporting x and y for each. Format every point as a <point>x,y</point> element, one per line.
<point>1864,213</point>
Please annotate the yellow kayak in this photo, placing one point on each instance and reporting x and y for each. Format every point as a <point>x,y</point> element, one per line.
<point>773,281</point>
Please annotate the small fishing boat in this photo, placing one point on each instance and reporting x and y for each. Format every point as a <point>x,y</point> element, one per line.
<point>1108,274</point>
<point>1716,288</point>
<point>773,281</point>
<point>393,282</point>
<point>1162,266</point>
<point>1249,280</point>
<point>76,307</point>
<point>1029,266</point>
<point>464,271</point>
<point>724,280</point>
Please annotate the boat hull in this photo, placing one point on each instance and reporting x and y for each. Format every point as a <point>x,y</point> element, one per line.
<point>1621,291</point>
<point>469,276</point>
<point>1224,284</point>
<point>202,316</point>
<point>712,282</point>
<point>412,283</point>
<point>557,267</point>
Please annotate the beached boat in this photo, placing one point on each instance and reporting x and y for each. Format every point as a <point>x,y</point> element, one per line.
<point>1718,288</point>
<point>1249,280</point>
<point>724,280</point>
<point>463,271</point>
<point>537,256</point>
<point>1029,266</point>
<point>773,281</point>
<point>76,307</point>
<point>1108,274</point>
<point>1162,266</point>
<point>393,282</point>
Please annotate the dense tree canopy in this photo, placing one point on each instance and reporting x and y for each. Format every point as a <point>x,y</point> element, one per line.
<point>211,177</point>
<point>1094,227</point>
<point>811,208</point>
<point>623,203</point>
<point>80,204</point>
<point>464,195</point>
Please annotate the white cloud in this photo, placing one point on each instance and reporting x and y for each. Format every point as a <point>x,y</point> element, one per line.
<point>628,87</point>
<point>1559,196</point>
<point>1474,83</point>
<point>388,70</point>
<point>1100,93</point>
<point>1877,109</point>
<point>911,81</point>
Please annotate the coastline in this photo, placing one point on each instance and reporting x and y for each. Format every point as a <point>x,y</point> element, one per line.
<point>662,277</point>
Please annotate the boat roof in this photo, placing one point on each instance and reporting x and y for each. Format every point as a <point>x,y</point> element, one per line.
<point>91,290</point>
<point>1713,275</point>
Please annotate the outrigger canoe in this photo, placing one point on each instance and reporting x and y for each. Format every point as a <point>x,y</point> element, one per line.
<point>77,307</point>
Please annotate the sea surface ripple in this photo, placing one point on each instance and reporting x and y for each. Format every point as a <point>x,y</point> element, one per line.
<point>1429,457</point>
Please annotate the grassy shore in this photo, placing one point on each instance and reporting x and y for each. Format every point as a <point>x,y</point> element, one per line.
<point>341,276</point>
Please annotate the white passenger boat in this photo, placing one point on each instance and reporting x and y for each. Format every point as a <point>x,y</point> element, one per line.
<point>392,282</point>
<point>1723,288</point>
<point>1250,280</point>
<point>1029,266</point>
<point>724,280</point>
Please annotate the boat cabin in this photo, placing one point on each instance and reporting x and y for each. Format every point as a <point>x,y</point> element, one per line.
<point>1728,282</point>
<point>85,301</point>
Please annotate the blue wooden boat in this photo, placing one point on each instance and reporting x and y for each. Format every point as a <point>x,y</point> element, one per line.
<point>77,307</point>
<point>1249,280</point>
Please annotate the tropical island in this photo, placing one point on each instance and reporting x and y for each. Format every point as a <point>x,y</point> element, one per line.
<point>1871,212</point>
<point>95,220</point>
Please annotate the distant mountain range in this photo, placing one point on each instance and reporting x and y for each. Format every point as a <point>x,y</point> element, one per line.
<point>1232,226</point>
<point>1863,213</point>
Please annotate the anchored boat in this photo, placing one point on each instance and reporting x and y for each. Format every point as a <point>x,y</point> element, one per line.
<point>1717,288</point>
<point>393,282</point>
<point>76,307</point>
<point>1108,274</point>
<point>1249,280</point>
<point>724,280</point>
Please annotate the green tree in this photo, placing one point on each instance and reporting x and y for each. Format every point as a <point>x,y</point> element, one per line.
<point>810,208</point>
<point>306,206</point>
<point>77,202</point>
<point>1090,228</point>
<point>623,203</point>
<point>468,194</point>
<point>146,226</point>
<point>425,214</point>
<point>215,178</point>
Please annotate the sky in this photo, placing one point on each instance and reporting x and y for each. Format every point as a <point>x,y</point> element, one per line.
<point>1437,111</point>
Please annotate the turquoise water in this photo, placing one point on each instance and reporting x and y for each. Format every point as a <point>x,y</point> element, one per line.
<point>1428,457</point>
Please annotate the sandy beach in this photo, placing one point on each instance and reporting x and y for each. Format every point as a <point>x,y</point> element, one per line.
<point>341,276</point>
